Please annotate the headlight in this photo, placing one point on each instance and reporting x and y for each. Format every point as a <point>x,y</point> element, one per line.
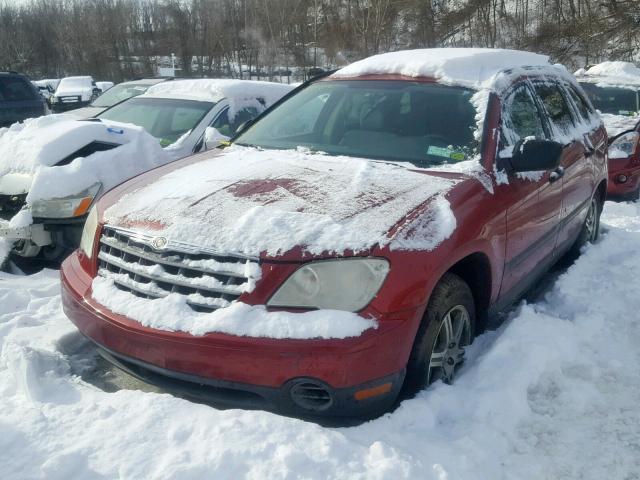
<point>344,284</point>
<point>624,146</point>
<point>53,99</point>
<point>67,207</point>
<point>89,233</point>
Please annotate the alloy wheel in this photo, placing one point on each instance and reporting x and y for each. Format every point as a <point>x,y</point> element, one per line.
<point>448,349</point>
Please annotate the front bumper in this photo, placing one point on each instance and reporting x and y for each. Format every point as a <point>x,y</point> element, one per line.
<point>362,375</point>
<point>35,233</point>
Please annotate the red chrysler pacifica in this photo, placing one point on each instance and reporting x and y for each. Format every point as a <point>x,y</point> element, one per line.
<point>352,240</point>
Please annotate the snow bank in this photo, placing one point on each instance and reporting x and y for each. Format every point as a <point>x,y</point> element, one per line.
<point>172,313</point>
<point>552,394</point>
<point>617,124</point>
<point>250,201</point>
<point>37,145</point>
<point>611,73</point>
<point>239,93</point>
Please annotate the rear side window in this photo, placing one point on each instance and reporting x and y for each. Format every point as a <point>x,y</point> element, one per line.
<point>556,107</point>
<point>583,107</point>
<point>227,126</point>
<point>14,89</point>
<point>522,117</point>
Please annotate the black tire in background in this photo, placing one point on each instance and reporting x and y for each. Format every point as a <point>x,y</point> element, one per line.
<point>448,325</point>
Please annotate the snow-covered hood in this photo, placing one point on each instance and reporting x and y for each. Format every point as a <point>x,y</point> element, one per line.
<point>30,154</point>
<point>46,140</point>
<point>617,124</point>
<point>270,202</point>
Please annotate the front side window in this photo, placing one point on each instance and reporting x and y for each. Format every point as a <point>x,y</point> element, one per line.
<point>614,100</point>
<point>521,117</point>
<point>556,107</point>
<point>422,123</point>
<point>164,118</point>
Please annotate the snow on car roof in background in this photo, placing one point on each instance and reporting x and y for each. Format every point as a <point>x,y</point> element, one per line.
<point>469,67</point>
<point>214,90</point>
<point>611,73</point>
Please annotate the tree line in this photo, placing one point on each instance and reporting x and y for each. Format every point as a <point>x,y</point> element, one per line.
<point>123,39</point>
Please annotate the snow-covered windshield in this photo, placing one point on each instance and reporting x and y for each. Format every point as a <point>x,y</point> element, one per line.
<point>614,100</point>
<point>423,123</point>
<point>119,93</point>
<point>164,118</point>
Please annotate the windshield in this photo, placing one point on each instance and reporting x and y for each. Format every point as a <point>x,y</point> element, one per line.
<point>164,118</point>
<point>119,93</point>
<point>425,124</point>
<point>74,83</point>
<point>615,100</point>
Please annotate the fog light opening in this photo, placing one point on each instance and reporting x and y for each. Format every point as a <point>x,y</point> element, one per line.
<point>622,178</point>
<point>310,395</point>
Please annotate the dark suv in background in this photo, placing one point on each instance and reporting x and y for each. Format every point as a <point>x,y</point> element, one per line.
<point>19,99</point>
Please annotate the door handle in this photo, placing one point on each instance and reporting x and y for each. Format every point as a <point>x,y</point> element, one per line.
<point>557,174</point>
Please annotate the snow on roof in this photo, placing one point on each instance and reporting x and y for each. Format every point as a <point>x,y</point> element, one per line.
<point>214,90</point>
<point>470,67</point>
<point>611,73</point>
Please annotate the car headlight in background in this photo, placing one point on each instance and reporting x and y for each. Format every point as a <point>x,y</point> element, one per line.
<point>89,233</point>
<point>67,207</point>
<point>53,99</point>
<point>624,146</point>
<point>341,284</point>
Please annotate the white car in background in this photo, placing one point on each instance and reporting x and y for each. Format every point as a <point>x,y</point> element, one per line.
<point>116,94</point>
<point>73,92</point>
<point>53,169</point>
<point>187,116</point>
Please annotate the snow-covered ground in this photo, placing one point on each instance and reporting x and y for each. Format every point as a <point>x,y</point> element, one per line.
<point>553,394</point>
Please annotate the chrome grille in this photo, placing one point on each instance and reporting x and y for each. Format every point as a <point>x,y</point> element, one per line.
<point>207,279</point>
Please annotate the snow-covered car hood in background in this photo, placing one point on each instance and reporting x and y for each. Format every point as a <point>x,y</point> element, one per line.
<point>617,124</point>
<point>251,201</point>
<point>86,112</point>
<point>31,150</point>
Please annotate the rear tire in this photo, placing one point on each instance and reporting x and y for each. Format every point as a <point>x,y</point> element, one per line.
<point>447,327</point>
<point>590,228</point>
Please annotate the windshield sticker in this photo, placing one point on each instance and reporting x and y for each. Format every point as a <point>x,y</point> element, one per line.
<point>445,153</point>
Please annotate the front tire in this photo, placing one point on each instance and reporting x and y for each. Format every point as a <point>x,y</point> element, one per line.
<point>448,326</point>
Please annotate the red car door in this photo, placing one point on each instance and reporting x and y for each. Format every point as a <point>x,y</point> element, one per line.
<point>534,198</point>
<point>579,180</point>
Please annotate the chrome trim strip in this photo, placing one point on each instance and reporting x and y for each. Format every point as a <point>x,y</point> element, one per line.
<point>177,246</point>
<point>111,242</point>
<point>133,286</point>
<point>168,278</point>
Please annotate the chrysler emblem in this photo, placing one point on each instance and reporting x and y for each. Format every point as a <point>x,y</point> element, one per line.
<point>159,243</point>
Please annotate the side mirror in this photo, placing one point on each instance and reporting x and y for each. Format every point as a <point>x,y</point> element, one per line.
<point>213,138</point>
<point>532,155</point>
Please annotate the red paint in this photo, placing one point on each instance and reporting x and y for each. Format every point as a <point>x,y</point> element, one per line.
<point>501,228</point>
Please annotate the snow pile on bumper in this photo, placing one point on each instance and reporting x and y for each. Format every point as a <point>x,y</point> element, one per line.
<point>172,313</point>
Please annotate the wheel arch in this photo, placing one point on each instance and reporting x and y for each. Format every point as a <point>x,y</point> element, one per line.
<point>475,270</point>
